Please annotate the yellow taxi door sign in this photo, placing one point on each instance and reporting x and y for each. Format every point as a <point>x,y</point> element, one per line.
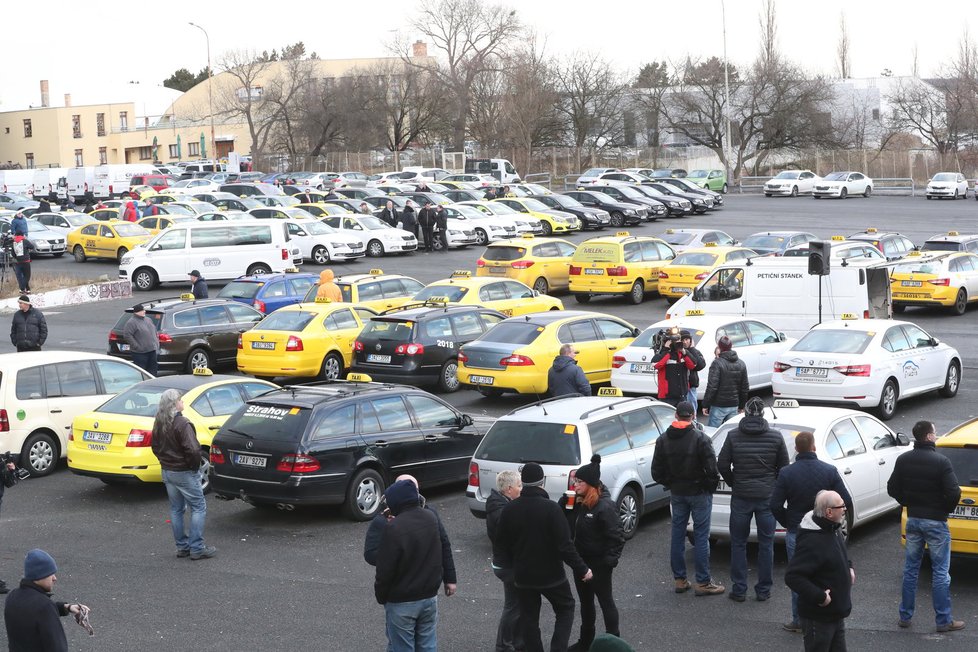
<point>596,253</point>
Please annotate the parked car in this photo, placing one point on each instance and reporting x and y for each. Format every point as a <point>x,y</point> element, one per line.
<point>843,184</point>
<point>947,184</point>
<point>268,292</point>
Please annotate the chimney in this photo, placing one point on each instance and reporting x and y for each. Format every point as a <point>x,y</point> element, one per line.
<point>67,99</point>
<point>420,49</point>
<point>45,98</point>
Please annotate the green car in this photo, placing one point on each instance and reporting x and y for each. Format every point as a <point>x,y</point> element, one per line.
<point>715,180</point>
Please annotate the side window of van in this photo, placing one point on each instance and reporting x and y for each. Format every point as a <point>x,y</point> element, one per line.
<point>75,379</point>
<point>641,427</point>
<point>29,384</point>
<point>117,376</point>
<point>608,437</point>
<point>204,238</point>
<point>172,240</point>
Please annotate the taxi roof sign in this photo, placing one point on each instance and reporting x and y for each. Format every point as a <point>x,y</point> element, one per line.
<point>785,403</point>
<point>694,313</point>
<point>528,235</point>
<point>203,371</point>
<point>461,273</point>
<point>359,378</point>
<point>622,234</point>
<point>838,238</point>
<point>376,271</point>
<point>872,229</point>
<point>323,300</point>
<point>953,233</point>
<point>709,244</point>
<point>670,230</point>
<point>848,315</point>
<point>436,300</point>
<point>610,391</point>
<point>187,296</point>
<point>291,270</point>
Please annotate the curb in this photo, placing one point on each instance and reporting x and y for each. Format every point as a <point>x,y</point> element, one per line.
<point>88,293</point>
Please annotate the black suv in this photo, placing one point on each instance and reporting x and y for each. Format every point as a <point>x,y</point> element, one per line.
<point>192,334</point>
<point>621,213</point>
<point>419,343</point>
<point>340,443</point>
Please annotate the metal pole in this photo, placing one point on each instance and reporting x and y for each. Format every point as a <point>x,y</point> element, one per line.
<point>210,91</point>
<point>726,92</point>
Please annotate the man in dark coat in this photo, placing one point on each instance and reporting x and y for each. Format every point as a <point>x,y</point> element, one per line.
<point>409,219</point>
<point>749,462</point>
<point>509,634</point>
<point>727,385</point>
<point>22,248</point>
<point>441,224</point>
<point>533,539</point>
<point>198,285</point>
<point>821,574</point>
<point>426,221</point>
<point>694,376</point>
<point>28,328</point>
<point>566,376</point>
<point>390,214</point>
<point>672,365</point>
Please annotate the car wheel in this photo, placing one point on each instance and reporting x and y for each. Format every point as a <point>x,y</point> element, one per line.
<point>541,285</point>
<point>794,191</point>
<point>582,297</point>
<point>198,358</point>
<point>814,196</point>
<point>79,253</point>
<point>332,367</point>
<point>724,189</point>
<point>39,455</point>
<point>364,495</point>
<point>375,248</point>
<point>144,279</point>
<point>899,307</point>
<point>868,191</point>
<point>951,380</point>
<point>628,511</point>
<point>960,302</point>
<point>119,254</point>
<point>955,194</point>
<point>448,377</point>
<point>843,194</point>
<point>259,268</point>
<point>205,470</point>
<point>888,400</point>
<point>548,229</point>
<point>617,219</point>
<point>637,293</point>
<point>320,255</point>
<point>929,197</point>
<point>767,194</point>
<point>490,392</point>
<point>481,237</point>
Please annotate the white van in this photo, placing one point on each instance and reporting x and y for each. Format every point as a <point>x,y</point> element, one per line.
<point>41,392</point>
<point>112,180</point>
<point>500,168</point>
<point>48,179</point>
<point>782,293</point>
<point>17,181</point>
<point>220,250</point>
<point>80,181</point>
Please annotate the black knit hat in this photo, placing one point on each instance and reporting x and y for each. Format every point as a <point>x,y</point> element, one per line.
<point>532,473</point>
<point>754,407</point>
<point>591,473</point>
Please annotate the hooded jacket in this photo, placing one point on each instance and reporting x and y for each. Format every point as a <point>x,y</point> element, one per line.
<point>684,461</point>
<point>130,214</point>
<point>728,384</point>
<point>798,484</point>
<point>673,373</point>
<point>597,531</point>
<point>567,377</point>
<point>924,482</point>
<point>32,621</point>
<point>328,289</point>
<point>378,525</point>
<point>821,562</point>
<point>751,458</point>
<point>409,559</point>
<point>29,327</point>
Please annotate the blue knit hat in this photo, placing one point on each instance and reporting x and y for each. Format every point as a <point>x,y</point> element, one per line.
<point>401,494</point>
<point>38,565</point>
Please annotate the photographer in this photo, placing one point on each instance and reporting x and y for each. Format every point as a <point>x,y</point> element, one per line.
<point>673,365</point>
<point>694,376</point>
<point>7,471</point>
<point>21,248</point>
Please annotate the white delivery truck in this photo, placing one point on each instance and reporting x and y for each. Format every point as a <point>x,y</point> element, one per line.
<point>112,180</point>
<point>17,181</point>
<point>500,168</point>
<point>48,179</point>
<point>782,293</point>
<point>80,180</point>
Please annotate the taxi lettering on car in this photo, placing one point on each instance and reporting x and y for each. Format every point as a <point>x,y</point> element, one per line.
<point>106,240</point>
<point>948,279</point>
<point>509,297</point>
<point>681,276</point>
<point>541,263</point>
<point>375,289</point>
<point>622,264</point>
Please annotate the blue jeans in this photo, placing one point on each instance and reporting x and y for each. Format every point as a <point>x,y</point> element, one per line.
<point>790,537</point>
<point>184,490</point>
<point>700,507</point>
<point>148,361</point>
<point>937,536</point>
<point>719,414</point>
<point>742,510</point>
<point>691,397</point>
<point>412,626</point>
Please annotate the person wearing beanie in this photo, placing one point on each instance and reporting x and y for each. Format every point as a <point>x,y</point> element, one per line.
<point>726,386</point>
<point>198,285</point>
<point>596,530</point>
<point>751,458</point>
<point>694,373</point>
<point>672,365</point>
<point>609,643</point>
<point>30,616</point>
<point>28,328</point>
<point>409,570</point>
<point>533,539</point>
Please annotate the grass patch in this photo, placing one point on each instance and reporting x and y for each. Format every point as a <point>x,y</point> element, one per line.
<point>41,282</point>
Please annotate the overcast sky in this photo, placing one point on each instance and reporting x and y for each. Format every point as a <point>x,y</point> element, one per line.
<point>79,45</point>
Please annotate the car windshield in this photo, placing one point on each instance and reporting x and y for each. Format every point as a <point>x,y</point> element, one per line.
<point>788,174</point>
<point>698,174</point>
<point>372,223</point>
<point>832,340</point>
<point>240,290</point>
<point>945,176</point>
<point>315,227</point>
<point>497,208</point>
<point>696,259</point>
<point>33,226</point>
<point>837,176</point>
<point>941,245</point>
<point>677,238</point>
<point>140,400</point>
<point>388,330</point>
<point>919,267</point>
<point>503,253</point>
<point>126,230</point>
<point>519,442</point>
<point>262,422</point>
<point>285,320</point>
<point>964,461</point>
<point>763,241</point>
<point>512,333</point>
<point>450,292</point>
<point>469,212</point>
<point>629,192</point>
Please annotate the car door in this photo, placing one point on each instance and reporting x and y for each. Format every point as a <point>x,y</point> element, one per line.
<point>929,358</point>
<point>71,389</point>
<point>764,347</point>
<point>593,356</point>
<point>386,428</point>
<point>216,329</point>
<point>275,294</point>
<point>298,288</point>
<point>644,431</point>
<point>846,449</point>
<point>969,273</point>
<point>497,296</point>
<point>616,335</point>
<point>449,444</point>
<point>618,465</point>
<point>243,318</point>
<point>215,405</point>
<point>883,445</point>
<point>344,326</point>
<point>102,245</point>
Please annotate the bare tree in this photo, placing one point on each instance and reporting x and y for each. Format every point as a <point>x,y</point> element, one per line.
<point>842,50</point>
<point>242,96</point>
<point>926,111</point>
<point>769,31</point>
<point>915,61</point>
<point>485,115</point>
<point>650,86</point>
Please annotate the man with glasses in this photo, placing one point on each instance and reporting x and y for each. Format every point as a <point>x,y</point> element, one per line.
<point>924,483</point>
<point>566,376</point>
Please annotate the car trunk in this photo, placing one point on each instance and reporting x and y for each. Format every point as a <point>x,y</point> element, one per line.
<point>381,339</point>
<point>255,440</point>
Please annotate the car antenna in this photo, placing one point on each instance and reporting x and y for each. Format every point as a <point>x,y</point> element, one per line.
<point>773,414</point>
<point>542,406</point>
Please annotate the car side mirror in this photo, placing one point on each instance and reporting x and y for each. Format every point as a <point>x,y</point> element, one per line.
<point>697,295</point>
<point>464,420</point>
<point>636,332</point>
<point>934,341</point>
<point>781,337</point>
<point>535,293</point>
<point>155,248</point>
<point>902,439</point>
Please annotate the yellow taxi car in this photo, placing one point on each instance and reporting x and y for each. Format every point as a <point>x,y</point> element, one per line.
<point>515,355</point>
<point>621,264</point>
<point>374,290</point>
<point>960,445</point>
<point>108,213</point>
<point>157,223</point>
<point>948,279</point>
<point>322,210</point>
<point>157,198</point>
<point>112,443</point>
<point>304,340</point>
<point>684,272</point>
<point>553,221</point>
<point>541,263</point>
<point>105,240</point>
<point>508,297</point>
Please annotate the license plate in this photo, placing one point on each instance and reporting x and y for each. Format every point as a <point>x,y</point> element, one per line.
<point>497,270</point>
<point>681,290</point>
<point>595,272</point>
<point>481,380</point>
<point>101,437</point>
<point>911,284</point>
<point>123,347</point>
<point>250,460</point>
<point>967,512</point>
<point>267,346</point>
<point>642,368</point>
<point>812,372</point>
<point>373,357</point>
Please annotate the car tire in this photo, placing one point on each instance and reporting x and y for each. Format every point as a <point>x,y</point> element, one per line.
<point>724,189</point>
<point>375,249</point>
<point>960,303</point>
<point>868,192</point>
<point>814,196</point>
<point>629,511</point>
<point>888,400</point>
<point>952,380</point>
<point>40,454</point>
<point>364,495</point>
<point>794,191</point>
<point>955,194</point>
<point>843,193</point>
<point>489,392</point>
<point>144,279</point>
<point>767,194</point>
<point>119,254</point>
<point>541,285</point>
<point>79,253</point>
<point>259,268</point>
<point>197,359</point>
<point>617,220</point>
<point>320,255</point>
<point>332,367</point>
<point>929,197</point>
<point>205,468</point>
<point>548,229</point>
<point>448,377</point>
<point>582,297</point>
<point>481,237</point>
<point>637,294</point>
<point>899,308</point>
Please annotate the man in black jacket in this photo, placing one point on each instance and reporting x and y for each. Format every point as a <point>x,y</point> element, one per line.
<point>509,634</point>
<point>727,385</point>
<point>923,481</point>
<point>409,219</point>
<point>821,574</point>
<point>28,328</point>
<point>426,220</point>
<point>533,539</point>
<point>566,376</point>
<point>685,464</point>
<point>694,376</point>
<point>798,484</point>
<point>441,224</point>
<point>749,462</point>
<point>390,214</point>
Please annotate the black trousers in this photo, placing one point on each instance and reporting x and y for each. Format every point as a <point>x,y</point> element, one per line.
<point>23,273</point>
<point>509,634</point>
<point>428,237</point>
<point>443,236</point>
<point>824,637</point>
<point>562,600</point>
<point>598,587</point>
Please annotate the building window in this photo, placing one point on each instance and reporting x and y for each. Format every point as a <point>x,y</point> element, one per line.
<point>174,152</point>
<point>103,155</point>
<point>28,131</point>
<point>876,114</point>
<point>145,153</point>
<point>123,120</point>
<point>193,149</point>
<point>30,160</point>
<point>100,124</point>
<point>79,159</point>
<point>254,93</point>
<point>76,126</point>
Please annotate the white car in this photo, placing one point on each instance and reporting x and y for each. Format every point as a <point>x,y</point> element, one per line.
<point>283,201</point>
<point>841,250</point>
<point>477,180</point>
<point>218,216</point>
<point>190,187</point>
<point>866,363</point>
<point>381,237</point>
<point>756,343</point>
<point>843,184</point>
<point>461,232</point>
<point>947,184</point>
<point>322,243</point>
<point>858,444</point>
<point>47,241</point>
<point>524,223</point>
<point>791,183</point>
<point>682,239</point>
<point>63,222</point>
<point>487,228</point>
<point>194,207</point>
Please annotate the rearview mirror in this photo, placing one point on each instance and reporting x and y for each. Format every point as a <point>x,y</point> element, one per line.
<point>781,337</point>
<point>902,439</point>
<point>465,420</point>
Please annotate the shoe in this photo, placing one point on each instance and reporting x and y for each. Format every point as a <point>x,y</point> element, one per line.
<point>952,626</point>
<point>682,585</point>
<point>183,552</point>
<point>709,588</point>
<point>763,597</point>
<point>792,627</point>
<point>206,553</point>
<point>903,624</point>
<point>737,597</point>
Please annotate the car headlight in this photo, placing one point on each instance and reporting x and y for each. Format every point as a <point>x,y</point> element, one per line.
<point>338,245</point>
<point>674,204</point>
<point>126,260</point>
<point>496,228</point>
<point>456,233</point>
<point>630,211</point>
<point>699,201</point>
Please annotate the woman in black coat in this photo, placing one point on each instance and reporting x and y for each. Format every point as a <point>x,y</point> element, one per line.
<point>409,220</point>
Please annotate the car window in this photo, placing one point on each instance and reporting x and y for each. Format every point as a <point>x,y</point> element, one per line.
<point>116,376</point>
<point>242,314</point>
<point>369,292</point>
<point>736,333</point>
<point>566,250</point>
<point>341,319</point>
<point>338,423</point>
<point>578,331</point>
<point>392,289</point>
<point>73,379</point>
<point>723,285</point>
<point>490,319</point>
<point>493,292</point>
<point>759,333</point>
<point>850,443</point>
<point>613,330</point>
<point>633,252</point>
<point>917,338</point>
<point>438,329</point>
<point>467,324</point>
<point>213,316</point>
<point>608,437</point>
<point>641,427</point>
<point>30,384</point>
<point>430,413</point>
<point>251,390</point>
<point>874,432</point>
<point>385,415</point>
<point>518,290</point>
<point>895,340</point>
<point>275,289</point>
<point>546,250</point>
<point>218,401</point>
<point>890,249</point>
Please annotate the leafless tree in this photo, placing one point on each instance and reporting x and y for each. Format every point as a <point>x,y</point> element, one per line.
<point>930,112</point>
<point>650,86</point>
<point>769,31</point>
<point>842,50</point>
<point>485,115</point>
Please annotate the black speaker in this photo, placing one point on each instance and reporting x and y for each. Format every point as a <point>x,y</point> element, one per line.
<point>819,255</point>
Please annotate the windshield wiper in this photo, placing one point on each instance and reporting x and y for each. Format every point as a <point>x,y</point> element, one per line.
<point>238,432</point>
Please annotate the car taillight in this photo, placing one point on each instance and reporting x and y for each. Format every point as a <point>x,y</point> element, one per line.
<point>480,263</point>
<point>516,360</point>
<point>4,421</point>
<point>294,344</point>
<point>409,349</point>
<point>462,357</point>
<point>865,314</point>
<point>111,191</point>
<point>217,455</point>
<point>940,281</point>
<point>700,277</point>
<point>570,478</point>
<point>240,345</point>
<point>780,366</point>
<point>297,464</point>
<point>617,271</point>
<point>473,474</point>
<point>663,275</point>
<point>139,438</point>
<point>854,370</point>
<point>286,255</point>
<point>259,305</point>
<point>521,264</point>
<point>357,345</point>
<point>575,270</point>
<point>164,338</point>
<point>113,337</point>
<point>617,361</point>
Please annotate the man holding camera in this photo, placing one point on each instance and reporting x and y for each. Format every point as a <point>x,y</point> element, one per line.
<point>8,468</point>
<point>673,364</point>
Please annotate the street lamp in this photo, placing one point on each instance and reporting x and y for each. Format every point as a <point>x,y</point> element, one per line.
<point>210,89</point>
<point>726,92</point>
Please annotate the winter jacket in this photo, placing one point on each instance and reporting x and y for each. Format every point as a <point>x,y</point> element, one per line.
<point>821,562</point>
<point>390,216</point>
<point>494,509</point>
<point>328,289</point>
<point>533,539</point>
<point>924,482</point>
<point>409,220</point>
<point>727,385</point>
<point>684,461</point>
<point>596,532</point>
<point>694,376</point>
<point>756,454</point>
<point>22,249</point>
<point>375,533</point>
<point>799,482</point>
<point>199,288</point>
<point>409,559</point>
<point>567,377</point>
<point>32,620</point>
<point>130,214</point>
<point>426,218</point>
<point>18,225</point>
<point>673,373</point>
<point>140,333</point>
<point>177,449</point>
<point>28,327</point>
<point>441,219</point>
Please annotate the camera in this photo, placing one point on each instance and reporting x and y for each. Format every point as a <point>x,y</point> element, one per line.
<point>11,477</point>
<point>668,338</point>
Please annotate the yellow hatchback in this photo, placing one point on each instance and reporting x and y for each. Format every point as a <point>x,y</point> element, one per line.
<point>684,272</point>
<point>156,224</point>
<point>112,443</point>
<point>509,297</point>
<point>303,340</point>
<point>541,263</point>
<point>948,279</point>
<point>621,264</point>
<point>106,240</point>
<point>554,221</point>
<point>960,446</point>
<point>374,290</point>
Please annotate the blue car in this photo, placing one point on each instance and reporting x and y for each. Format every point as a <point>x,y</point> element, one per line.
<point>269,292</point>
